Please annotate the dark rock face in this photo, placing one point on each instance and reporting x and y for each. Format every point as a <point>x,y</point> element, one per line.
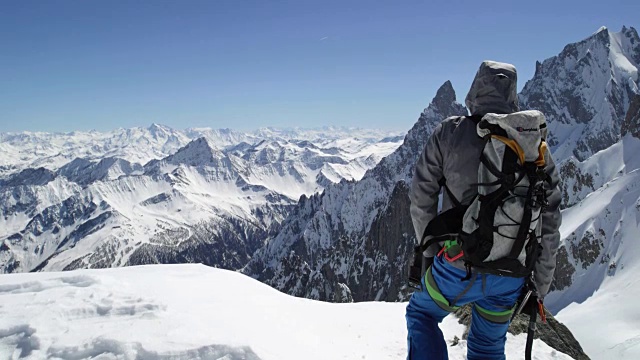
<point>572,182</point>
<point>76,213</point>
<point>587,251</point>
<point>18,199</point>
<point>30,177</point>
<point>553,333</point>
<point>226,244</point>
<point>64,214</point>
<point>390,236</point>
<point>85,172</point>
<point>563,275</point>
<point>355,236</point>
<point>631,124</point>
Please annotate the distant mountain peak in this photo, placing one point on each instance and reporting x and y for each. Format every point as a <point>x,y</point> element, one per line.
<point>602,28</point>
<point>585,91</point>
<point>198,152</point>
<point>443,103</point>
<point>630,31</point>
<point>445,95</point>
<point>159,131</point>
<point>156,126</point>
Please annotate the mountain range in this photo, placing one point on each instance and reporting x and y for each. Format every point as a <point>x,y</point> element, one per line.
<point>325,215</point>
<point>213,200</point>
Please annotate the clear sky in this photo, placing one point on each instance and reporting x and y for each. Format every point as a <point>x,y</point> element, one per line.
<point>82,65</point>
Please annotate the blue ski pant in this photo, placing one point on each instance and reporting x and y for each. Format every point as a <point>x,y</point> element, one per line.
<point>443,291</point>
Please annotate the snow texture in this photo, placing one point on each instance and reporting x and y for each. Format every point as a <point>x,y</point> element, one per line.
<point>194,312</point>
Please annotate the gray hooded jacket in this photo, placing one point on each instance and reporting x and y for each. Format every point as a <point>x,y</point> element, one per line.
<point>453,152</point>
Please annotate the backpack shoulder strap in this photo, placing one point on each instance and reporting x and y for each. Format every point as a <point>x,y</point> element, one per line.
<point>443,183</point>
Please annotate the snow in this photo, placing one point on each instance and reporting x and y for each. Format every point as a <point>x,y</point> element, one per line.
<point>602,28</point>
<point>141,145</point>
<point>584,92</point>
<point>606,292</point>
<point>220,174</point>
<point>621,62</point>
<point>194,312</point>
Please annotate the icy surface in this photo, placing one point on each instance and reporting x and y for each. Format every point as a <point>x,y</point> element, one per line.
<point>605,286</point>
<point>195,312</point>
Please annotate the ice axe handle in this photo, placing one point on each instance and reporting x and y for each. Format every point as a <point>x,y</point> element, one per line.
<point>522,304</point>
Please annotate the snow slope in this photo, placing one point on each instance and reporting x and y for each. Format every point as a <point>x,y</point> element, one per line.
<point>599,283</point>
<point>580,178</point>
<point>196,312</point>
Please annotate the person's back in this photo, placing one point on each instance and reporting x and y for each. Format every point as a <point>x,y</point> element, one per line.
<point>453,154</point>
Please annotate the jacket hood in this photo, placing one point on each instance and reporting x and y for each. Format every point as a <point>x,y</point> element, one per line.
<point>494,89</point>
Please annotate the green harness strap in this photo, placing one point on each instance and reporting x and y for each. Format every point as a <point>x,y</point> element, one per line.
<point>495,316</point>
<point>435,293</point>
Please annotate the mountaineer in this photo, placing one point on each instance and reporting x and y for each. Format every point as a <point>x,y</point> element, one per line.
<point>498,225</point>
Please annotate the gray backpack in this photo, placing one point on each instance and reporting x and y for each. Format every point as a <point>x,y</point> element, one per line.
<point>499,232</point>
<point>500,228</point>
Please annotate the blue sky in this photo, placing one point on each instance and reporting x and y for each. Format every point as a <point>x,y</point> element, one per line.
<point>82,65</point>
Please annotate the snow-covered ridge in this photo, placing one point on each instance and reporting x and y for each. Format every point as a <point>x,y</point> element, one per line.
<point>193,312</point>
<point>141,145</point>
<point>585,91</point>
<point>581,178</point>
<point>597,276</point>
<point>204,202</point>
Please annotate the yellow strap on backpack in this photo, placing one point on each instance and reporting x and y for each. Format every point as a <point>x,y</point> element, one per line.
<point>513,145</point>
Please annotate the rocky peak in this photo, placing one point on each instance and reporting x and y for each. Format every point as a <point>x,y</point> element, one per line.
<point>75,168</point>
<point>445,96</point>
<point>631,34</point>
<point>158,131</point>
<point>443,105</point>
<point>27,177</point>
<point>339,245</point>
<point>84,172</point>
<point>197,152</point>
<point>591,82</point>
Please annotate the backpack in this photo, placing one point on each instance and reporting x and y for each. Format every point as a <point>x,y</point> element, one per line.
<point>499,232</point>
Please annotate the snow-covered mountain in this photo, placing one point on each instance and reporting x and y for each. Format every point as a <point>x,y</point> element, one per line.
<point>599,262</point>
<point>140,145</point>
<point>352,241</point>
<point>202,203</point>
<point>193,312</point>
<point>231,199</point>
<point>585,91</point>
